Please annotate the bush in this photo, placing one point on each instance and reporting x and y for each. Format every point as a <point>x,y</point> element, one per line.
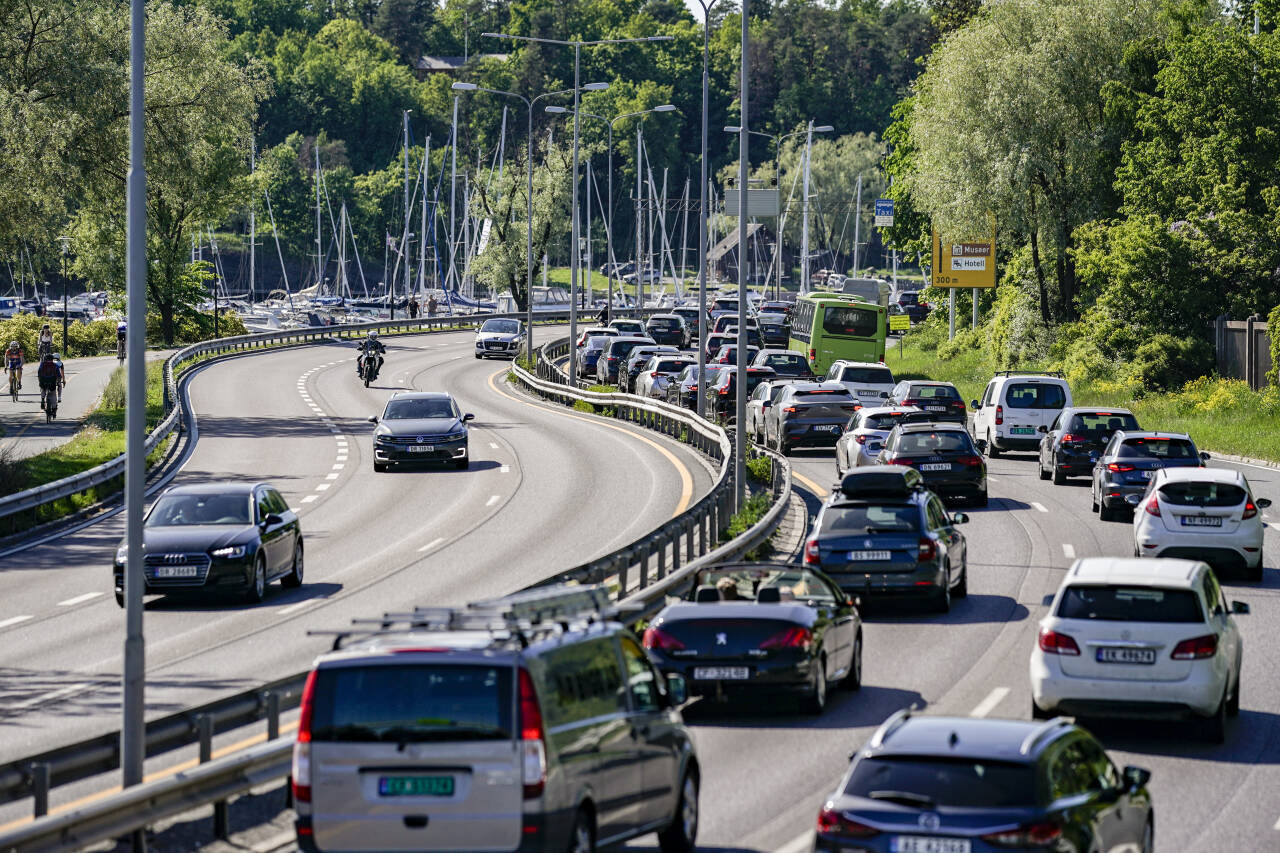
<point>1165,363</point>
<point>1273,332</point>
<point>760,469</point>
<point>965,340</point>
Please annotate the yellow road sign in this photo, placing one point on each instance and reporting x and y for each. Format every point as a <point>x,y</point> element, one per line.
<point>899,322</point>
<point>970,264</point>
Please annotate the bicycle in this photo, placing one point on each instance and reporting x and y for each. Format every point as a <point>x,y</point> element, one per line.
<point>13,383</point>
<point>49,403</point>
<point>120,348</point>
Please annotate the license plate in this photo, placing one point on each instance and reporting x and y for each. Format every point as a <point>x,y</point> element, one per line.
<point>935,408</point>
<point>936,466</point>
<point>415,786</point>
<point>178,571</point>
<point>720,673</point>
<point>827,428</point>
<point>1112,654</point>
<point>869,556</point>
<point>420,448</point>
<point>1141,475</point>
<point>1022,431</point>
<point>1201,521</point>
<point>925,844</point>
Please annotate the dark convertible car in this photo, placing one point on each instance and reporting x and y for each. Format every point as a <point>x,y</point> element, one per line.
<point>218,537</point>
<point>420,426</point>
<point>761,628</point>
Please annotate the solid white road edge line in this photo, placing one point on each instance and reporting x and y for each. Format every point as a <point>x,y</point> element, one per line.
<point>1039,506</point>
<point>293,608</point>
<point>433,543</point>
<point>88,596</point>
<point>986,706</point>
<point>799,844</point>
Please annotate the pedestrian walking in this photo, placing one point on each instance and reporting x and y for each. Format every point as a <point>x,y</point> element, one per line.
<point>432,306</point>
<point>413,307</point>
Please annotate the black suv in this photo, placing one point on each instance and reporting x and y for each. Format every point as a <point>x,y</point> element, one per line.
<point>528,723</point>
<point>1073,443</point>
<point>944,454</point>
<point>882,533</point>
<point>984,786</point>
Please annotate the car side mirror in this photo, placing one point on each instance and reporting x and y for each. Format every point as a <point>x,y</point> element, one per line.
<point>468,417</point>
<point>1204,457</point>
<point>974,404</point>
<point>960,518</point>
<point>764,404</point>
<point>272,518</point>
<point>1042,429</point>
<point>373,419</point>
<point>677,689</point>
<point>1133,500</point>
<point>1240,608</point>
<point>1137,777</point>
<point>1263,503</point>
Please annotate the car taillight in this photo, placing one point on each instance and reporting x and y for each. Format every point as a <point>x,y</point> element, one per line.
<point>301,772</point>
<point>811,557</point>
<point>1250,510</point>
<point>1053,643</point>
<point>928,549</point>
<point>897,460</point>
<point>1039,834</point>
<point>794,637</point>
<point>1196,648</point>
<point>861,439</point>
<point>970,461</point>
<point>533,739</point>
<point>1071,438</point>
<point>724,390</point>
<point>999,415</point>
<point>831,822</point>
<point>1153,507</point>
<point>912,402</point>
<point>654,374</point>
<point>655,638</point>
<point>790,409</point>
<point>693,386</point>
<point>1119,466</point>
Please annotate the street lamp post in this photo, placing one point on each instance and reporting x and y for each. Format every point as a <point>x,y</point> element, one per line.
<point>577,46</point>
<point>664,108</point>
<point>700,397</point>
<point>66,247</point>
<point>528,102</point>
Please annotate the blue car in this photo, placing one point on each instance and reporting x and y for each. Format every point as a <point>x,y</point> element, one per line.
<point>974,785</point>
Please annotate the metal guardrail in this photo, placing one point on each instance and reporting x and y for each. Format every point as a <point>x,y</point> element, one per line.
<point>32,499</point>
<point>217,780</point>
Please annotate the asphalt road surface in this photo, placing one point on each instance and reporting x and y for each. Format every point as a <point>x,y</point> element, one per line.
<point>25,430</point>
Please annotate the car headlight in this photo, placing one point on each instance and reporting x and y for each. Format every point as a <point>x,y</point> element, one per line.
<point>231,552</point>
<point>122,553</point>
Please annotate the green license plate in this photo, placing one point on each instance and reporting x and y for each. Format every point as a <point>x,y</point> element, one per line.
<point>1022,431</point>
<point>415,786</point>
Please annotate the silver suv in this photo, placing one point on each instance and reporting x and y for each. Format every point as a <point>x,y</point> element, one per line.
<point>528,723</point>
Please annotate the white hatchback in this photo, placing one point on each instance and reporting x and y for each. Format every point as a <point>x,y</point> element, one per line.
<point>1127,637</point>
<point>862,442</point>
<point>1200,514</point>
<point>870,382</point>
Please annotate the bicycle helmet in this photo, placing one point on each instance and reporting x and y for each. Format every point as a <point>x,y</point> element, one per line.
<point>373,334</point>
<point>48,356</point>
<point>13,345</point>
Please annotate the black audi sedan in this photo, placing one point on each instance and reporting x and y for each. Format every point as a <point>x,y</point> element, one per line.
<point>1126,463</point>
<point>1076,438</point>
<point>884,534</point>
<point>761,628</point>
<point>945,456</point>
<point>218,537</point>
<point>420,426</point>
<point>926,783</point>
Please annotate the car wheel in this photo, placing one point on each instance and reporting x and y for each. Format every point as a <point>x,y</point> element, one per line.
<point>582,838</point>
<point>1254,573</point>
<point>816,701</point>
<point>1233,704</point>
<point>1093,498</point>
<point>477,356</point>
<point>992,450</point>
<point>681,835</point>
<point>1044,475</point>
<point>379,468</point>
<point>853,680</point>
<point>943,602</point>
<point>784,446</point>
<point>1059,478</point>
<point>1149,837</point>
<point>258,585</point>
<point>462,464</point>
<point>1213,729</point>
<point>962,588</point>
<point>293,580</point>
<point>1106,513</point>
<point>120,599</point>
<point>981,500</point>
<point>1038,713</point>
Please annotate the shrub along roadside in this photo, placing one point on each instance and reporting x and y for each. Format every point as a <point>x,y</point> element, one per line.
<point>1221,415</point>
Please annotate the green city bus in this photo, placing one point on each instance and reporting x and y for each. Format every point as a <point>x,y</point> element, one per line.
<point>827,327</point>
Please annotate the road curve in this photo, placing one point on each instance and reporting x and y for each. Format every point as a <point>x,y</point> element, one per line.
<point>548,488</point>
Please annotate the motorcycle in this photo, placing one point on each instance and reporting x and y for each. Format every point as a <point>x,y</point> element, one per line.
<point>368,367</point>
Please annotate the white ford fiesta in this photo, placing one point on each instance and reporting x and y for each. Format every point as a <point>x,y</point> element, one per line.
<point>1136,638</point>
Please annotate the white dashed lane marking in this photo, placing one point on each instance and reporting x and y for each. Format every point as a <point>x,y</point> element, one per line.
<point>14,620</point>
<point>1068,550</point>
<point>433,543</point>
<point>309,498</point>
<point>493,500</point>
<point>79,599</point>
<point>986,706</point>
<point>1039,507</point>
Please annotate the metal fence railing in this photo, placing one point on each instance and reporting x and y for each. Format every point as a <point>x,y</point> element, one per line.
<point>645,574</point>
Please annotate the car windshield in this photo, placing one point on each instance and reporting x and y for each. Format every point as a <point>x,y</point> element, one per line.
<point>859,520</point>
<point>1203,494</point>
<point>824,395</point>
<point>950,441</point>
<point>850,322</point>
<point>1129,604</point>
<point>885,421</point>
<point>670,366</point>
<point>1157,448</point>
<point>786,361</point>
<point>417,410</point>
<point>867,375</point>
<point>502,327</point>
<point>1103,422</point>
<point>177,510</point>
<point>597,342</point>
<point>725,304</point>
<point>934,392</point>
<point>744,584</point>
<point>955,782</point>
<point>412,703</point>
<point>1034,395</point>
<point>663,323</point>
<point>622,349</point>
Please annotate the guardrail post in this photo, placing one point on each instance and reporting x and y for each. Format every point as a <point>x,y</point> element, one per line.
<point>40,788</point>
<point>644,564</point>
<point>273,715</point>
<point>221,825</point>
<point>624,563</point>
<point>662,555</point>
<point>689,553</point>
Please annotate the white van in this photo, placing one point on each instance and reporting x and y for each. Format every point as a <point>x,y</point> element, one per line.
<point>1014,407</point>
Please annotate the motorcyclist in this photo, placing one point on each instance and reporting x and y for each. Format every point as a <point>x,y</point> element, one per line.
<point>13,360</point>
<point>46,340</point>
<point>48,374</point>
<point>370,344</point>
<point>603,317</point>
<point>62,374</point>
<point>122,332</point>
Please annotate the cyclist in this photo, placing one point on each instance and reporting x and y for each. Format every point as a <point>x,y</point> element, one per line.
<point>13,360</point>
<point>46,341</point>
<point>122,331</point>
<point>48,375</point>
<point>62,374</point>
<point>370,344</point>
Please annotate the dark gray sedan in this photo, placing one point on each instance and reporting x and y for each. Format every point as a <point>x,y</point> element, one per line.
<point>420,426</point>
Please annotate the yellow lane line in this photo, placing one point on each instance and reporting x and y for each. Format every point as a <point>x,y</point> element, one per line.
<point>810,484</point>
<point>159,774</point>
<point>686,478</point>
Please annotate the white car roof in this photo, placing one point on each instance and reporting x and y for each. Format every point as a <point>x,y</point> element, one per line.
<point>1202,475</point>
<point>844,363</point>
<point>1135,571</point>
<point>1032,377</point>
<point>880,410</point>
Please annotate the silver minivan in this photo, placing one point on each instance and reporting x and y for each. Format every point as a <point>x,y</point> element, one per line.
<point>530,723</point>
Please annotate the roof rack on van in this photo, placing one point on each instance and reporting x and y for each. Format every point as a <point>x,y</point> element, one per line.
<point>518,616</point>
<point>1054,373</point>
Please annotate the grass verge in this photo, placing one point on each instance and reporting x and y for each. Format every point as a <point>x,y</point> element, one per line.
<point>1220,415</point>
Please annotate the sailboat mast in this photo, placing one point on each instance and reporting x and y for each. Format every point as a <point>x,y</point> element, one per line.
<point>319,241</point>
<point>404,243</point>
<point>422,238</point>
<point>342,288</point>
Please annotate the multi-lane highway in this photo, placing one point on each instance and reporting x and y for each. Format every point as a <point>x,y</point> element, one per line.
<point>548,488</point>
